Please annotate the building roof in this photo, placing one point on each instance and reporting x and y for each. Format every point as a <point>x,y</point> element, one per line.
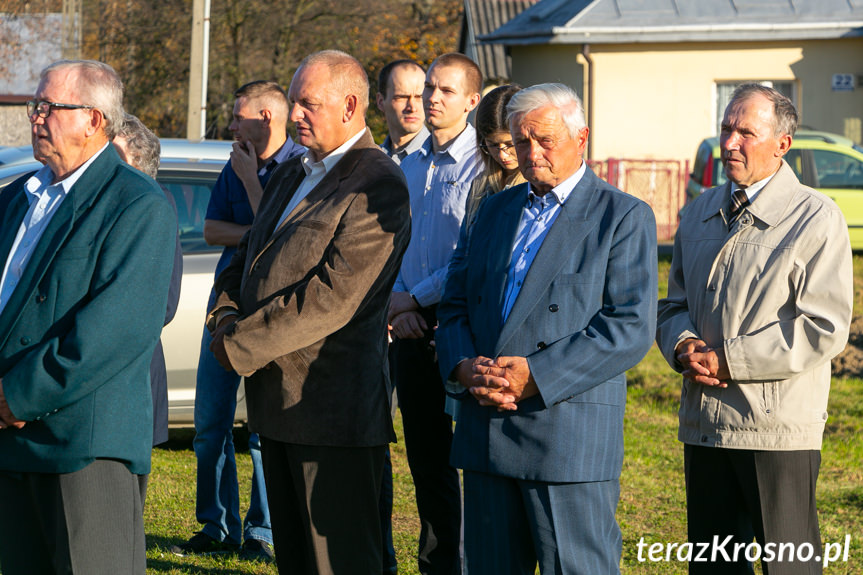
<point>483,17</point>
<point>633,21</point>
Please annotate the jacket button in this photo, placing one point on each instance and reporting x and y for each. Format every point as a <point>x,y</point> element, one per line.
<point>541,345</point>
<point>25,340</point>
<point>553,308</point>
<point>41,298</point>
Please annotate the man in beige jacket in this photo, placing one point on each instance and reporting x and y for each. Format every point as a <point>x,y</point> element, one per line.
<point>759,301</point>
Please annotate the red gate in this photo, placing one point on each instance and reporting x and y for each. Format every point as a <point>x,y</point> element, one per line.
<point>660,183</point>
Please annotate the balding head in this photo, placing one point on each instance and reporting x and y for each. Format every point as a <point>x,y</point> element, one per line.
<point>329,97</point>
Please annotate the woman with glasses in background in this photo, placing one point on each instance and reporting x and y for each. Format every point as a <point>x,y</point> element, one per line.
<point>498,152</point>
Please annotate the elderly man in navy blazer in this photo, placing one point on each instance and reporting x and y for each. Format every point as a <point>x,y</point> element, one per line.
<point>87,248</point>
<point>549,299</point>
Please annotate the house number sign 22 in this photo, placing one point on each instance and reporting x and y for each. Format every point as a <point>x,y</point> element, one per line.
<point>843,82</point>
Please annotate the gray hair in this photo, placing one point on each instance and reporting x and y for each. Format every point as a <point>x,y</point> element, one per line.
<point>347,75</point>
<point>142,145</point>
<point>785,117</point>
<point>97,85</point>
<point>558,96</point>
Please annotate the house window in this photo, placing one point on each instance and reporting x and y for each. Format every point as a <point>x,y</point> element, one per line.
<point>725,89</point>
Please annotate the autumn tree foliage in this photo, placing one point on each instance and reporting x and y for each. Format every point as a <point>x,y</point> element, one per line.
<point>148,43</point>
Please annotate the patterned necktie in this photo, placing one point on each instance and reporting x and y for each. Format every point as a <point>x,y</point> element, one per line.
<point>739,200</point>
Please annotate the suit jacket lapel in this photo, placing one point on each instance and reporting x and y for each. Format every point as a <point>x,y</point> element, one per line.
<point>77,200</point>
<point>504,228</point>
<point>570,228</point>
<point>291,181</point>
<point>12,216</point>
<point>328,185</point>
<point>52,239</point>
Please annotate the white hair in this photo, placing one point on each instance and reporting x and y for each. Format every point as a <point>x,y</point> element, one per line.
<point>97,85</point>
<point>558,96</point>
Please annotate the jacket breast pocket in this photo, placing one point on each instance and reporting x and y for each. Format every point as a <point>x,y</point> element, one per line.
<point>575,295</point>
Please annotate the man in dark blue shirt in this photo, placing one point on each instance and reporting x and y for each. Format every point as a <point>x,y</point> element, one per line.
<point>259,127</point>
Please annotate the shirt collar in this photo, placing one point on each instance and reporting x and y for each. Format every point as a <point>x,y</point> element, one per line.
<point>415,144</point>
<point>282,155</point>
<point>752,190</point>
<point>41,180</point>
<point>563,190</point>
<point>462,146</point>
<point>771,206</point>
<point>333,157</point>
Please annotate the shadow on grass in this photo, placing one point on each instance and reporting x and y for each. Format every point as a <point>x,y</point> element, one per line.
<point>167,562</point>
<point>169,565</point>
<point>845,499</point>
<point>162,543</point>
<point>182,438</point>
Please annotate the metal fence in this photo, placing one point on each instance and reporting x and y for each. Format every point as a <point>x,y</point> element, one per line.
<point>660,183</point>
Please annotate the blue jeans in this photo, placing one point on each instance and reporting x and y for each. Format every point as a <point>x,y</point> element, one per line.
<point>218,499</point>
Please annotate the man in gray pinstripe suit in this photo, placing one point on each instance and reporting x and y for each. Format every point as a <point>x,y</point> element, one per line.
<point>548,301</point>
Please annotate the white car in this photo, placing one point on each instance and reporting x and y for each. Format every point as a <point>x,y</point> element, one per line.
<point>188,170</point>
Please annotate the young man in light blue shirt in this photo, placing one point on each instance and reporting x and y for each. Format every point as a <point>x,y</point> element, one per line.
<point>439,176</point>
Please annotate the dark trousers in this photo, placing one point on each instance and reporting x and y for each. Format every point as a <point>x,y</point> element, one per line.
<point>385,503</point>
<point>768,496</point>
<point>324,507</point>
<point>385,507</point>
<point>428,439</point>
<point>89,521</point>
<point>510,525</point>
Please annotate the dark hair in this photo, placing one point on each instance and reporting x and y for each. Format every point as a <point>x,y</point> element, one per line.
<point>490,119</point>
<point>259,88</point>
<point>387,71</point>
<point>784,114</point>
<point>472,74</point>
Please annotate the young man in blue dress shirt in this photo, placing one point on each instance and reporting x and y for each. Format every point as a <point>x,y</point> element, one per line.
<point>439,176</point>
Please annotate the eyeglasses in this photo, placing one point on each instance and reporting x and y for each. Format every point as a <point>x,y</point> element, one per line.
<point>503,148</point>
<point>43,107</point>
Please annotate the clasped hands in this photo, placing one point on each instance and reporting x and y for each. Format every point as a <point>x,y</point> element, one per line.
<point>500,382</point>
<point>703,364</point>
<point>404,319</point>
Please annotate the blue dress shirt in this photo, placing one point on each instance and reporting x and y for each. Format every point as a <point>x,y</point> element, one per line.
<point>438,183</point>
<point>537,218</point>
<point>44,199</point>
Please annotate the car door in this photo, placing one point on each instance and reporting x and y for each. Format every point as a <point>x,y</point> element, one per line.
<point>840,176</point>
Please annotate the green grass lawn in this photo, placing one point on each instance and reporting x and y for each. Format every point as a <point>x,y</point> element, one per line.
<point>652,501</point>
